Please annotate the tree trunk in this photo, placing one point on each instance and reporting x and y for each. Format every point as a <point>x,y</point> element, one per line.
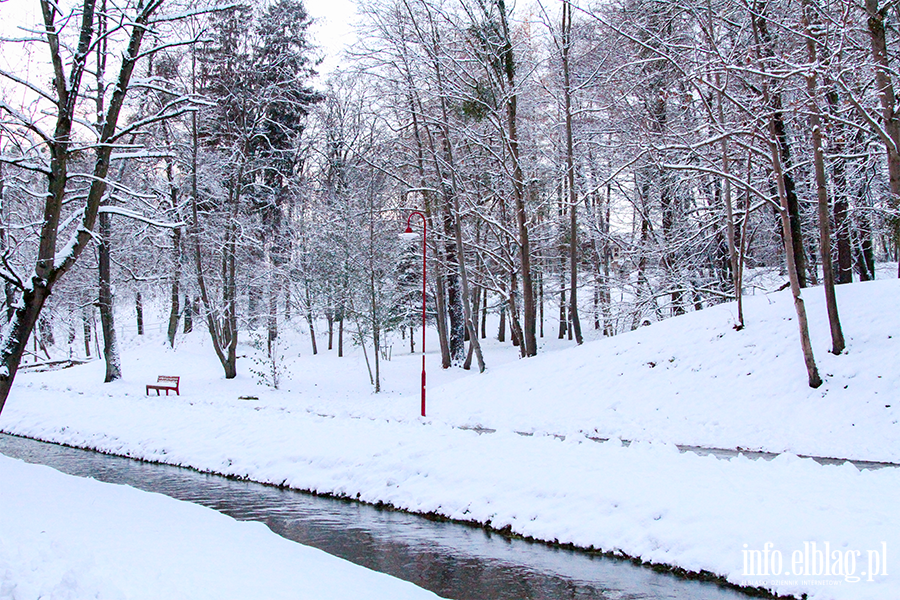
<point>469,323</point>
<point>541,300</point>
<point>139,312</point>
<point>312,332</point>
<point>105,304</point>
<point>528,337</point>
<point>515,328</point>
<point>563,325</point>
<point>175,309</point>
<point>189,312</point>
<point>329,317</point>
<point>46,334</point>
<point>890,121</point>
<point>779,131</point>
<point>310,322</point>
<point>842,224</point>
<point>105,300</point>
<point>484,311</point>
<point>736,265</point>
<point>815,121</point>
<point>811,370</point>
<point>20,328</point>
<point>86,329</point>
<point>223,335</point>
<point>454,286</point>
<point>570,174</point>
<point>272,324</point>
<point>8,288</point>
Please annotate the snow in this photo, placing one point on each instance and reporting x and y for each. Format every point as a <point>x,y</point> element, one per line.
<point>542,473</point>
<point>64,537</point>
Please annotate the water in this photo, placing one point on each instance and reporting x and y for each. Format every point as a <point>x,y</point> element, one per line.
<point>454,561</point>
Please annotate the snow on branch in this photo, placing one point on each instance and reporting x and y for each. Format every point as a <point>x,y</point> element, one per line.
<point>24,121</point>
<point>115,210</point>
<point>169,111</point>
<point>22,163</point>
<point>193,13</point>
<point>8,272</point>
<point>28,84</point>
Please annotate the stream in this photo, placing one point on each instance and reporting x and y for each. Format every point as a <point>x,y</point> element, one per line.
<point>453,560</point>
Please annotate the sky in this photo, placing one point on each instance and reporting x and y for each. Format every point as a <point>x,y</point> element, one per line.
<point>332,30</point>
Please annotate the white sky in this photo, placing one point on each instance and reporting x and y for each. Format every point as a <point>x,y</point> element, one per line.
<point>332,30</point>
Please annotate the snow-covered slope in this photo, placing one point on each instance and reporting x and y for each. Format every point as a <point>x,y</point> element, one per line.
<point>68,538</point>
<point>689,380</point>
<point>695,380</point>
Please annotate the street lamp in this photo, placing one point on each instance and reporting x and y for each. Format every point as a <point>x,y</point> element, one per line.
<point>410,234</point>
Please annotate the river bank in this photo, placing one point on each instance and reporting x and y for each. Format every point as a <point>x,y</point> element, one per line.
<point>755,523</point>
<point>67,537</point>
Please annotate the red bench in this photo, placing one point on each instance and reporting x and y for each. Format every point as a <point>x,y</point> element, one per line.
<point>165,382</point>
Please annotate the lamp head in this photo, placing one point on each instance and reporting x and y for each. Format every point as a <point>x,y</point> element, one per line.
<point>409,234</point>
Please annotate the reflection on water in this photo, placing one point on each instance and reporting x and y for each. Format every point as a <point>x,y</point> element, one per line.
<point>452,560</point>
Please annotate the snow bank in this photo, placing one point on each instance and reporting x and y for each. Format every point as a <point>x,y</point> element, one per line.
<point>64,537</point>
<point>695,380</point>
<point>689,380</point>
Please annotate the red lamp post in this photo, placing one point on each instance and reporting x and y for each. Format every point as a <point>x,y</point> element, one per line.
<point>409,233</point>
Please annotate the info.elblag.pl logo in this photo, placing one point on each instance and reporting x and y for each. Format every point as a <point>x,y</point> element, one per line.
<point>819,561</point>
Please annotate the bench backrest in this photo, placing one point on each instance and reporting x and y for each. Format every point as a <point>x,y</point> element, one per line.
<point>168,379</point>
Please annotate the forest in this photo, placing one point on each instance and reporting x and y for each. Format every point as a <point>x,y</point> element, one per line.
<point>616,163</point>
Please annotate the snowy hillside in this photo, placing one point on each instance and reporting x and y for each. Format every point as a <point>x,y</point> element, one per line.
<point>695,380</point>
<point>688,380</point>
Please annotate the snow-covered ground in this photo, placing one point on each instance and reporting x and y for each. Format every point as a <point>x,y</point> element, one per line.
<point>68,538</point>
<point>689,380</point>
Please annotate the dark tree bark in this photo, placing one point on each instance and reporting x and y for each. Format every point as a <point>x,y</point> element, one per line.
<point>105,304</point>
<point>777,125</point>
<point>222,332</point>
<point>329,317</point>
<point>484,311</point>
<point>454,288</point>
<point>174,309</point>
<point>190,309</point>
<point>775,129</point>
<point>311,323</point>
<point>272,322</point>
<point>570,174</point>
<point>439,285</point>
<point>563,325</point>
<point>842,224</point>
<point>105,300</point>
<point>139,312</point>
<point>890,120</point>
<point>815,121</point>
<point>529,318</point>
<point>86,330</point>
<point>341,336</point>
